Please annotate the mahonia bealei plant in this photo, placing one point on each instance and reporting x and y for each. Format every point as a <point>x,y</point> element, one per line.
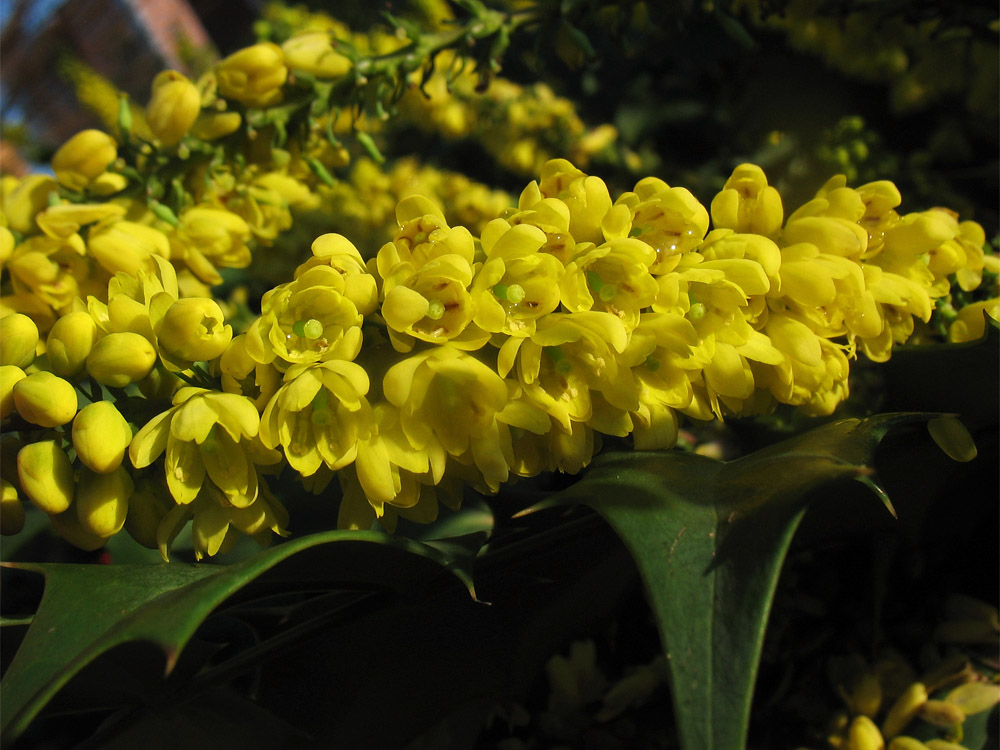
<point>477,343</point>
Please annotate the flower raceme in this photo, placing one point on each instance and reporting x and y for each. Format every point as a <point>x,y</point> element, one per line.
<point>451,359</point>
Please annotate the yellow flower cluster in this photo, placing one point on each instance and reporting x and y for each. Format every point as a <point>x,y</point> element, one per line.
<point>453,358</point>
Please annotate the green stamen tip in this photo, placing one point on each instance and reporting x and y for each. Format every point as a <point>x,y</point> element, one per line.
<point>500,291</point>
<point>563,367</point>
<point>635,231</point>
<point>697,311</point>
<point>436,310</point>
<point>312,329</point>
<point>516,293</point>
<point>607,292</point>
<point>299,328</point>
<point>652,364</point>
<point>320,417</point>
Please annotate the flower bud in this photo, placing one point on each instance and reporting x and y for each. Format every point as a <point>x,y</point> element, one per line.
<point>68,526</point>
<point>25,201</point>
<point>905,709</point>
<point>253,75</point>
<point>101,436</point>
<point>83,158</point>
<point>45,399</point>
<point>9,375</point>
<point>108,183</point>
<point>193,330</point>
<point>18,340</point>
<point>173,108</point>
<point>11,510</point>
<point>102,501</point>
<point>212,125</point>
<point>121,358</point>
<point>69,343</point>
<point>864,735</point>
<point>942,714</point>
<point>46,475</point>
<point>313,53</point>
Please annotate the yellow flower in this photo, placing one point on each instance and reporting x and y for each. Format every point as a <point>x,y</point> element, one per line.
<point>569,356</point>
<point>747,203</point>
<point>204,435</point>
<point>121,358</point>
<point>971,322</point>
<point>63,221</point>
<point>552,216</point>
<point>126,246</point>
<point>83,158</point>
<point>307,320</point>
<point>23,203</point>
<point>209,237</point>
<point>101,436</point>
<point>149,504</point>
<point>253,75</point>
<point>18,340</point>
<point>318,415</point>
<point>46,475</point>
<point>45,399</point>
<point>670,220</point>
<point>69,342</point>
<point>313,52</point>
<point>173,108</point>
<point>52,270</point>
<point>613,277</point>
<point>448,398</point>
<point>586,197</point>
<point>431,303</point>
<point>339,253</point>
<point>422,236</point>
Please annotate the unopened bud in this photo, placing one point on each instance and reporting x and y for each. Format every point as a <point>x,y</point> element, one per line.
<point>101,436</point>
<point>11,510</point>
<point>905,709</point>
<point>864,735</point>
<point>942,714</point>
<point>212,125</point>
<point>102,501</point>
<point>69,343</point>
<point>173,108</point>
<point>193,330</point>
<point>121,358</point>
<point>83,158</point>
<point>253,75</point>
<point>18,340</point>
<point>45,399</point>
<point>46,475</point>
<point>313,53</point>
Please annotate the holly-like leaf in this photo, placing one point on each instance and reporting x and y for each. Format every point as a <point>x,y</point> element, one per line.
<point>87,610</point>
<point>709,539</point>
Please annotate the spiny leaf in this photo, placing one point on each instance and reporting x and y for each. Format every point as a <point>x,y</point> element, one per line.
<point>88,609</point>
